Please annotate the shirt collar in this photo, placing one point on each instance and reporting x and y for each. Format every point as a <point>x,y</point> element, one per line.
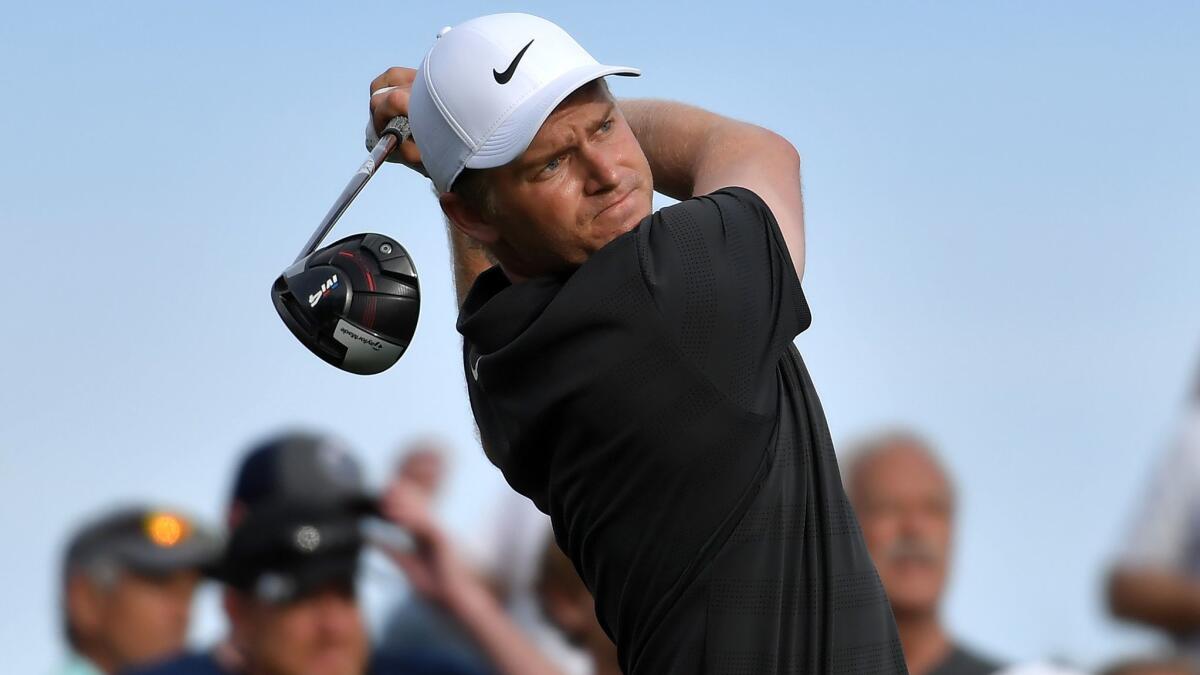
<point>497,311</point>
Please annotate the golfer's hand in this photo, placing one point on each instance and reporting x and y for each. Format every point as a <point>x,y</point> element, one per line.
<point>432,567</point>
<point>389,98</point>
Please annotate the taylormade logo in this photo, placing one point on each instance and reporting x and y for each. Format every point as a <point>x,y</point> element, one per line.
<point>373,344</point>
<point>330,284</point>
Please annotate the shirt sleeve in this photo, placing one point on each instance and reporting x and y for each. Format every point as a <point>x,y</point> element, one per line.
<point>722,279</point>
<point>1164,530</point>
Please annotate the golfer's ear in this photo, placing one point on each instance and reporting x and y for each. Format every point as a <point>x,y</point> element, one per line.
<point>467,219</point>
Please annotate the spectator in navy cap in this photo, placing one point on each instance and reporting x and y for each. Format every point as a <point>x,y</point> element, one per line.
<point>289,569</point>
<point>289,566</point>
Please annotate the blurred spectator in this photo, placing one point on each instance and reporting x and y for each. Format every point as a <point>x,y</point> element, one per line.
<point>1151,667</point>
<point>905,503</point>
<point>127,586</point>
<point>570,606</point>
<point>1156,579</point>
<point>416,624</point>
<point>290,578</point>
<point>424,463</point>
<point>509,549</point>
<point>504,555</point>
<point>435,571</point>
<point>290,567</point>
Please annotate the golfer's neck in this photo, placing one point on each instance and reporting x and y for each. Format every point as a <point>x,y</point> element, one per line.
<point>514,276</point>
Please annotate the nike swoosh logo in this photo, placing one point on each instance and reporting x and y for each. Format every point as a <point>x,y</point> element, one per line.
<point>475,368</point>
<point>503,78</point>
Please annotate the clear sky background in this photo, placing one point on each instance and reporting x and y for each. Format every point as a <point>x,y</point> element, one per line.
<point>1003,228</point>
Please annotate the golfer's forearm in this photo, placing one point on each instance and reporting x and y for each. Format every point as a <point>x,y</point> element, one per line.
<point>683,142</point>
<point>469,259</point>
<point>1168,601</point>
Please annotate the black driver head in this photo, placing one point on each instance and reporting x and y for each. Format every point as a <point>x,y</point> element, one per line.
<point>353,303</point>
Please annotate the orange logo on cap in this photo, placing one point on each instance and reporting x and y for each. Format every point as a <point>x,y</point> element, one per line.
<point>166,529</point>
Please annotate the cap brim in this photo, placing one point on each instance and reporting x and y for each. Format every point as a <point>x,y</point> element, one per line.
<point>323,572</point>
<point>367,505</point>
<point>266,540</point>
<point>198,552</point>
<point>516,132</point>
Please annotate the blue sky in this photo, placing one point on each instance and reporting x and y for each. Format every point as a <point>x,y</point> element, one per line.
<point>1003,220</point>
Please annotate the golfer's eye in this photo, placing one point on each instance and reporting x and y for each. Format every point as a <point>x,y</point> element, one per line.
<point>552,165</point>
<point>606,125</point>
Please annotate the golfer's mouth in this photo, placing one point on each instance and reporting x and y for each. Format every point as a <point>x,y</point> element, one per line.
<point>621,200</point>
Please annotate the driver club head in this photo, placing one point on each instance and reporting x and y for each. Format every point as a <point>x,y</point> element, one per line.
<point>353,303</point>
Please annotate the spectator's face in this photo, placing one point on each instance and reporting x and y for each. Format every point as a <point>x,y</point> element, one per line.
<point>582,182</point>
<point>139,619</point>
<point>905,507</point>
<point>321,634</point>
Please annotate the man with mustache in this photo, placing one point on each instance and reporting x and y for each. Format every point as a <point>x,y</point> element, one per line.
<point>632,372</point>
<point>905,503</point>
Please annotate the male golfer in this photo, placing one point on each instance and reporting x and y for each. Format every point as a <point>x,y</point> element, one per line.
<point>633,372</point>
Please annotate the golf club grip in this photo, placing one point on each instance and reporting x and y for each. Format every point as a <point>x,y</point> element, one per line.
<point>398,127</point>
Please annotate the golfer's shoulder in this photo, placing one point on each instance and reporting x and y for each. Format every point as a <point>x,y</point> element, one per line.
<point>729,207</point>
<point>722,222</point>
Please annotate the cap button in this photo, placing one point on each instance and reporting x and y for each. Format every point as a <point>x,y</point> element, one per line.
<point>443,31</point>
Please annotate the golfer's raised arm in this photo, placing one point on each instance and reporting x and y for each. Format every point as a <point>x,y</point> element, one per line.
<point>390,92</point>
<point>694,152</point>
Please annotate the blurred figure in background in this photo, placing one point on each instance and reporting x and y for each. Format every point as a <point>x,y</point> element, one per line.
<point>1151,667</point>
<point>504,557</point>
<point>290,592</point>
<point>127,586</point>
<point>289,566</point>
<point>510,549</point>
<point>570,606</point>
<point>905,503</point>
<point>424,464</point>
<point>1156,578</point>
<point>414,623</point>
<point>298,520</point>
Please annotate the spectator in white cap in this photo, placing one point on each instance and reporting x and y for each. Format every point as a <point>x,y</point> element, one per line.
<point>632,373</point>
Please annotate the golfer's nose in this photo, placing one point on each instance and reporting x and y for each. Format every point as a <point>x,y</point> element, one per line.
<point>603,169</point>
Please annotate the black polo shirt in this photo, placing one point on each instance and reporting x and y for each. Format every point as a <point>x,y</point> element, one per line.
<point>652,403</point>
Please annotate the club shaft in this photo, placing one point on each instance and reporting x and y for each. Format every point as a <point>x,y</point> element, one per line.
<point>381,150</point>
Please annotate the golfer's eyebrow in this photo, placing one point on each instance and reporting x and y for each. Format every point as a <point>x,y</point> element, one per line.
<point>538,160</point>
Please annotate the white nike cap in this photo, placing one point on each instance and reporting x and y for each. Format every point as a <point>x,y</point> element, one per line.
<point>486,86</point>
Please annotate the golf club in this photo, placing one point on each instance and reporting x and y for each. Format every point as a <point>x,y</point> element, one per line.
<point>355,302</point>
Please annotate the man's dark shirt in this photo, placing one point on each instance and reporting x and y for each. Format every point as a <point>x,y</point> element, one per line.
<point>192,663</point>
<point>651,402</point>
<point>962,662</point>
